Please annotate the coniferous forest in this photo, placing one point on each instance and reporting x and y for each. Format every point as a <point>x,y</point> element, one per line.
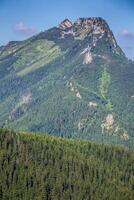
<point>44,167</point>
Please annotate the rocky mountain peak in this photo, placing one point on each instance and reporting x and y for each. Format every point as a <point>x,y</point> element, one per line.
<point>97,25</point>
<point>66,23</point>
<point>93,23</point>
<point>94,27</point>
<point>90,22</point>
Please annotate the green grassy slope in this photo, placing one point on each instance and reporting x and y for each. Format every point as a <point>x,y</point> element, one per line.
<point>43,167</point>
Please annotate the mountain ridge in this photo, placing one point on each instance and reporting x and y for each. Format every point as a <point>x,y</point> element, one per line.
<point>90,23</point>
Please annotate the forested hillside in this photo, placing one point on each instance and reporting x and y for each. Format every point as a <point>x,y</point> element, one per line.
<point>43,167</point>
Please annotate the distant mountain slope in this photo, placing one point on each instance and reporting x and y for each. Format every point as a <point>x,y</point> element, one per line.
<point>72,80</point>
<point>37,167</point>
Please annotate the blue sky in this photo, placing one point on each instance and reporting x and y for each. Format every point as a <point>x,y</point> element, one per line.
<point>20,19</point>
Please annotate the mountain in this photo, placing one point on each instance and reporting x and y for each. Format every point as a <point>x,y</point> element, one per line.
<point>36,167</point>
<point>72,80</point>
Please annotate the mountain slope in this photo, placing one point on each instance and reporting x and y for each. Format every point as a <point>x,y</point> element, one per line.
<point>72,80</point>
<point>36,167</point>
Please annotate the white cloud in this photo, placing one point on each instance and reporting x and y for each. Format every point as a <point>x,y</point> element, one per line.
<point>127,34</point>
<point>22,28</point>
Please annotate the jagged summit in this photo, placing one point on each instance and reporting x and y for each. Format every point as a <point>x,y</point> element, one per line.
<point>88,23</point>
<point>96,24</point>
<point>66,23</point>
<point>93,23</point>
<point>89,20</point>
<point>95,27</point>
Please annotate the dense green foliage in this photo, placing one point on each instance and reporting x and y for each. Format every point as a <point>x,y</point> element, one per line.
<point>43,167</point>
<point>45,85</point>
